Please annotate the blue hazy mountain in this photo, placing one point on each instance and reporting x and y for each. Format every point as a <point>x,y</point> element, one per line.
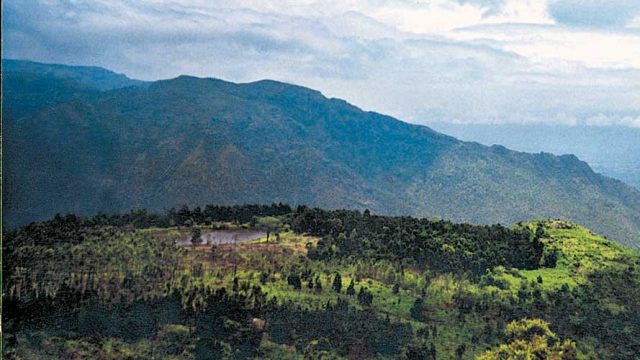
<point>611,150</point>
<point>90,76</point>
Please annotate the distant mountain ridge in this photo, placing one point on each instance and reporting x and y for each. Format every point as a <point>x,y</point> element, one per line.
<point>195,141</point>
<point>90,76</point>
<point>619,159</point>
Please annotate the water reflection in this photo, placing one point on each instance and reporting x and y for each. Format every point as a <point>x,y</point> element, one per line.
<point>224,237</point>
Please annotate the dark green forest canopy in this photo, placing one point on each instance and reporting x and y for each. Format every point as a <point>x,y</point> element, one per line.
<point>393,287</point>
<point>440,245</point>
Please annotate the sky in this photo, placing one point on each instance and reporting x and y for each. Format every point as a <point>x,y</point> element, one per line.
<point>569,62</point>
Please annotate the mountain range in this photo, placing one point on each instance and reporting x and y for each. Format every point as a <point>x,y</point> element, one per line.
<point>86,140</point>
<point>619,158</point>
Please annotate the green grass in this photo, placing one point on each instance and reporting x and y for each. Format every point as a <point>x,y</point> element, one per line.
<point>580,252</point>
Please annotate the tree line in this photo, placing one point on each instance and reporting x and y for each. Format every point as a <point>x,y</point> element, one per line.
<point>439,245</point>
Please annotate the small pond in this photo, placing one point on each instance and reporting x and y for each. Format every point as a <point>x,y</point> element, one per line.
<point>224,237</point>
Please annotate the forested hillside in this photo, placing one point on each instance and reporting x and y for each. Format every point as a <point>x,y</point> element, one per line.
<point>619,159</point>
<point>318,285</point>
<point>197,141</point>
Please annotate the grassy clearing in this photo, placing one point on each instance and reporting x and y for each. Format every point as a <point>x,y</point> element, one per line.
<point>579,251</point>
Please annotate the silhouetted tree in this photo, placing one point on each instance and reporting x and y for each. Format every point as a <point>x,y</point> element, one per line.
<point>351,289</point>
<point>294,280</point>
<point>416,309</point>
<point>337,283</point>
<point>365,297</point>
<point>551,259</point>
<point>264,277</point>
<point>460,351</point>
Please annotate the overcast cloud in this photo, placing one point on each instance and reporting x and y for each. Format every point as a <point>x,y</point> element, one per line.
<point>485,61</point>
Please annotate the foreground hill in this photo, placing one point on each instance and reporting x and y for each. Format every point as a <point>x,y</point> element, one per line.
<point>325,285</point>
<point>192,140</point>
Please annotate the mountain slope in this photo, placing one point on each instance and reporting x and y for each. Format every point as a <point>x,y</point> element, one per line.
<point>619,159</point>
<point>196,141</point>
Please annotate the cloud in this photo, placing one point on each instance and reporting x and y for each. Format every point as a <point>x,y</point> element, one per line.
<point>560,45</point>
<point>615,120</point>
<point>355,50</point>
<point>490,7</point>
<point>594,13</point>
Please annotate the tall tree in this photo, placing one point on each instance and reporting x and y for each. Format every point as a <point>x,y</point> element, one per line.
<point>351,289</point>
<point>337,283</point>
<point>416,309</point>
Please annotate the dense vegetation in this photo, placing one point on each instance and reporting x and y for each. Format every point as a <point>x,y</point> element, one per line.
<point>437,245</point>
<point>328,285</point>
<point>197,141</point>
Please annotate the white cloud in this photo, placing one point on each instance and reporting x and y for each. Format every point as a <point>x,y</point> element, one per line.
<point>604,120</point>
<point>423,61</point>
<point>558,44</point>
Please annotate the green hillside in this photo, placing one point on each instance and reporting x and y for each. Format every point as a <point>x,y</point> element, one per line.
<point>196,141</point>
<point>324,285</point>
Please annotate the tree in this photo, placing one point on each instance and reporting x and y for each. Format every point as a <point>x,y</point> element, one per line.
<point>270,224</point>
<point>294,280</point>
<point>532,339</point>
<point>417,350</point>
<point>396,289</point>
<point>174,340</point>
<point>183,215</point>
<point>319,349</point>
<point>365,297</point>
<point>337,283</point>
<point>416,309</point>
<point>551,258</point>
<point>196,233</point>
<point>264,277</point>
<point>351,289</point>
